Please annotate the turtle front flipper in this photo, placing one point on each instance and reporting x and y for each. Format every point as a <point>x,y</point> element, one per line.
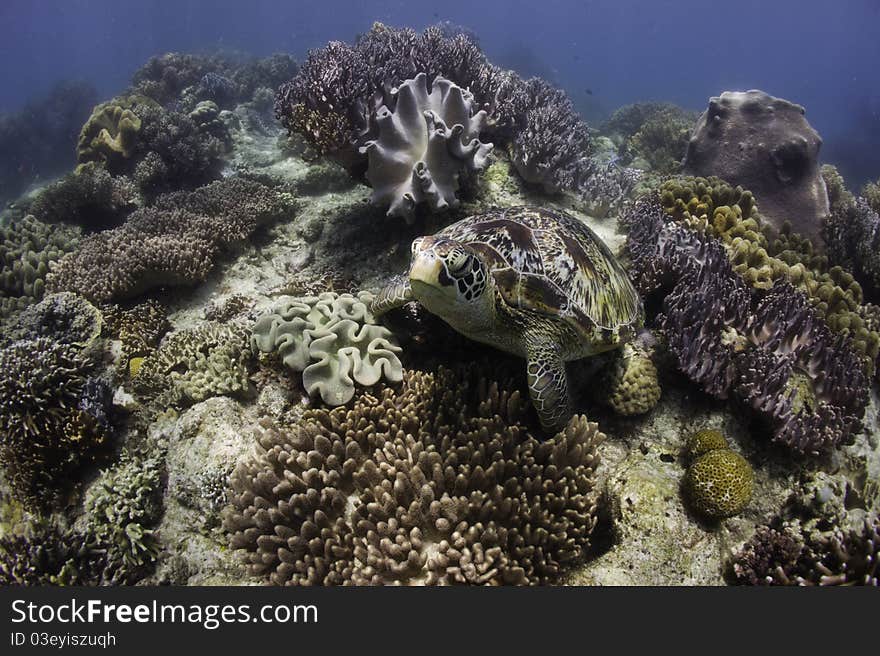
<point>548,384</point>
<point>395,295</point>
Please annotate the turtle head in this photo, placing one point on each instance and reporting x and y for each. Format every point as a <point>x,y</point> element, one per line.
<point>450,279</point>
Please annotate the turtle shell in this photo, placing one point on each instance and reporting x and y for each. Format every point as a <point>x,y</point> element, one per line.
<point>550,263</point>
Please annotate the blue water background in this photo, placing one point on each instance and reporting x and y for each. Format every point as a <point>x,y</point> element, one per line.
<point>824,54</point>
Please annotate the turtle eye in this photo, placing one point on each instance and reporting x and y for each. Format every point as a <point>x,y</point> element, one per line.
<point>457,262</point>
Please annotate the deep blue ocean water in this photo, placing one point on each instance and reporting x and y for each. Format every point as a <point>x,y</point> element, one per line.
<point>823,54</point>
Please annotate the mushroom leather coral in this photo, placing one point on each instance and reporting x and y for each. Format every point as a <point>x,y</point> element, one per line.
<point>426,140</point>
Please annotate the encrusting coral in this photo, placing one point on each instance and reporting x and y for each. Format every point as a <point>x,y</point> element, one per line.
<point>439,483</point>
<point>176,241</point>
<point>333,340</point>
<point>427,139</point>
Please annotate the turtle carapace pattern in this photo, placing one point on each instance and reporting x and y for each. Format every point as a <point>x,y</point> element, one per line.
<point>534,282</point>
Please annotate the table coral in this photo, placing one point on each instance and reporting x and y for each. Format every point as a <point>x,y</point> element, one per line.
<point>333,340</point>
<point>174,242</point>
<point>439,483</point>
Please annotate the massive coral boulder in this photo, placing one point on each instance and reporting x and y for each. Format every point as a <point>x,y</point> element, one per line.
<point>427,138</point>
<point>765,144</point>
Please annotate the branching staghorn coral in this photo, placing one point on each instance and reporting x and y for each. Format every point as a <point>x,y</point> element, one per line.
<point>333,340</point>
<point>426,141</point>
<point>439,483</point>
<point>770,350</point>
<point>174,242</point>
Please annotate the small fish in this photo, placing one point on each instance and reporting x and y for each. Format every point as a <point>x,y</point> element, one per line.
<point>589,92</point>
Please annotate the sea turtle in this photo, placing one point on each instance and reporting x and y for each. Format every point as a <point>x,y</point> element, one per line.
<point>530,281</point>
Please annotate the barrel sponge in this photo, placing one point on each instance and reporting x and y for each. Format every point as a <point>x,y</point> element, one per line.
<point>441,482</point>
<point>632,384</point>
<point>427,139</point>
<point>719,483</point>
<point>333,340</point>
<point>194,364</point>
<point>765,144</point>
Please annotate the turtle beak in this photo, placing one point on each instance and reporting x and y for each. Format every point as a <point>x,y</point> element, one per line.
<point>426,268</point>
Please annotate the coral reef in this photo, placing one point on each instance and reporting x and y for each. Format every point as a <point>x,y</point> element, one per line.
<point>63,317</point>
<point>653,133</point>
<point>139,328</point>
<point>871,194</point>
<point>90,197</point>
<point>197,363</point>
<point>174,242</point>
<point>821,542</point>
<point>439,483</point>
<point>718,482</point>
<point>122,507</point>
<point>427,139</point>
<point>28,248</point>
<point>333,103</point>
<point>852,237</point>
<point>762,256</point>
<point>333,340</point>
<point>766,145</point>
<point>48,424</point>
<point>48,555</point>
<point>772,351</point>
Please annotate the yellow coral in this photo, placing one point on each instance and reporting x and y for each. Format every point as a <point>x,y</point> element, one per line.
<point>719,484</point>
<point>703,441</point>
<point>633,388</point>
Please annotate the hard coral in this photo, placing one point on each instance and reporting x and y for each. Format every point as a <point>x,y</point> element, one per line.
<point>194,364</point>
<point>440,483</point>
<point>174,242</point>
<point>46,429</point>
<point>333,340</point>
<point>631,383</point>
<point>90,197</point>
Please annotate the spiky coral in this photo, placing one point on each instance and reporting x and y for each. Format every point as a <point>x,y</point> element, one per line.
<point>440,483</point>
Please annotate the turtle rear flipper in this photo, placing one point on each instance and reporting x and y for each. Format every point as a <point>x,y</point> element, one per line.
<point>548,384</point>
<point>397,294</point>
